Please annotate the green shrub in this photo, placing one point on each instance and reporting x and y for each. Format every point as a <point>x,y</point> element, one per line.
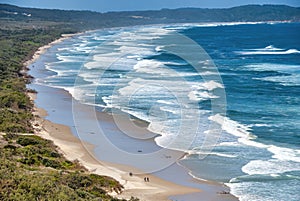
<point>9,146</point>
<point>28,161</point>
<point>51,163</point>
<point>27,140</point>
<point>23,158</point>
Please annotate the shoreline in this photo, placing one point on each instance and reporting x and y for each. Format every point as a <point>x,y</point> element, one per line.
<point>73,148</point>
<point>41,50</point>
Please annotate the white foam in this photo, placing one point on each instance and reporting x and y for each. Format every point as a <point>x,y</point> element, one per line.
<point>107,101</point>
<point>84,49</point>
<point>81,93</point>
<point>137,57</point>
<point>268,48</point>
<point>171,109</point>
<point>286,80</point>
<point>182,26</point>
<point>268,52</point>
<point>256,191</point>
<point>271,166</point>
<point>70,58</point>
<point>66,72</point>
<point>232,127</point>
<point>173,63</point>
<point>126,49</point>
<point>101,61</point>
<point>201,91</point>
<point>90,77</point>
<point>284,68</point>
<point>65,49</point>
<point>165,102</point>
<point>195,177</point>
<point>200,95</point>
<point>190,152</point>
<point>231,144</point>
<point>260,125</point>
<point>145,64</point>
<point>159,48</point>
<point>285,154</point>
<point>211,85</point>
<point>136,114</point>
<point>98,38</point>
<point>132,87</point>
<point>141,34</point>
<point>281,155</point>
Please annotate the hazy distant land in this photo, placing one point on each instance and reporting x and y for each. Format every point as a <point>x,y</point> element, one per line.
<point>83,20</point>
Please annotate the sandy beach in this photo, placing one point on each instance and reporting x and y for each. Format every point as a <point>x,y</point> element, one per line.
<point>54,121</point>
<point>44,48</point>
<point>75,149</point>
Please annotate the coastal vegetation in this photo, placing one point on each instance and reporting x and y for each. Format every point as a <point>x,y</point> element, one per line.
<point>17,46</point>
<point>31,168</point>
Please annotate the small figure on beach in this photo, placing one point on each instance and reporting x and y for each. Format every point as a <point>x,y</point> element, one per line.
<point>147,179</point>
<point>224,192</point>
<point>130,174</point>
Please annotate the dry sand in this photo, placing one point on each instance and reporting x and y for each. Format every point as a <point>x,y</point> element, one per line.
<point>75,149</point>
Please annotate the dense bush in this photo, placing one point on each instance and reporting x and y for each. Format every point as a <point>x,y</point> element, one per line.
<point>31,167</point>
<point>28,140</point>
<point>28,172</point>
<point>18,44</point>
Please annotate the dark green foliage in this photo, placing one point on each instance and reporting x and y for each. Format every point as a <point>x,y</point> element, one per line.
<point>9,146</point>
<point>134,199</point>
<point>28,140</point>
<point>15,105</point>
<point>18,41</point>
<point>51,163</point>
<point>31,168</point>
<point>28,172</point>
<point>37,151</point>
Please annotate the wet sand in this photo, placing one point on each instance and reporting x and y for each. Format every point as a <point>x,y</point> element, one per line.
<point>74,128</point>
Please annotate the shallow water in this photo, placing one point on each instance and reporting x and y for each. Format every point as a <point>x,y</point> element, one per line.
<point>131,70</point>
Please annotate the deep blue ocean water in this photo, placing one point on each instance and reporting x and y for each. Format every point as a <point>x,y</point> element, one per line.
<point>258,151</point>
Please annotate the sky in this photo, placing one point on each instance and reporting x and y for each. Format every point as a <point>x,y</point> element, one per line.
<point>129,5</point>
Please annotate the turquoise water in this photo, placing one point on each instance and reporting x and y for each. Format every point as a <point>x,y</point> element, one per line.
<point>258,151</point>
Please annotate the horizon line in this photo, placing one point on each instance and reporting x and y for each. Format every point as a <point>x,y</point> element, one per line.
<point>61,9</point>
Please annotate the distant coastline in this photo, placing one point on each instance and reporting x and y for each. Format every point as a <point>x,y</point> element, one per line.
<point>93,20</point>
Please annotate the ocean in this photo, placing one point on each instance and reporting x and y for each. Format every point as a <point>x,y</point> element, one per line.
<point>227,94</point>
